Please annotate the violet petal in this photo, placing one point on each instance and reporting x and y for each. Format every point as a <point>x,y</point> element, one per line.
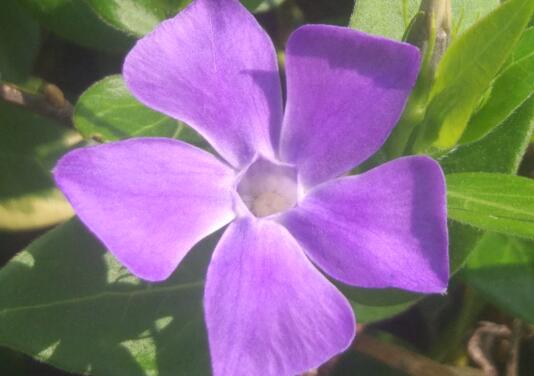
<point>384,228</point>
<point>149,200</point>
<point>268,310</point>
<point>213,67</point>
<point>345,92</point>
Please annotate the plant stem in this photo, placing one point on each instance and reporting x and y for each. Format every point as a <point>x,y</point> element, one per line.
<point>407,361</point>
<point>49,101</point>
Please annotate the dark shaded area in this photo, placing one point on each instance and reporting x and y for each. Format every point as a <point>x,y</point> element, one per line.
<point>13,363</point>
<point>74,68</point>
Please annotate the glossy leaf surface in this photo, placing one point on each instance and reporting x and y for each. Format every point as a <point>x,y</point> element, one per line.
<point>136,17</point>
<point>511,88</point>
<point>107,112</point>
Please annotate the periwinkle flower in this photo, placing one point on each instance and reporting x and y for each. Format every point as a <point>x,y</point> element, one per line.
<point>279,183</point>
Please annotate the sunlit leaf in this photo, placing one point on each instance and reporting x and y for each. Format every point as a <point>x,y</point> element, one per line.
<point>107,112</point>
<point>511,88</point>
<point>139,17</point>
<point>259,6</point>
<point>499,151</point>
<point>524,46</point>
<point>136,17</point>
<point>494,202</point>
<point>467,69</point>
<point>467,12</point>
<point>388,18</point>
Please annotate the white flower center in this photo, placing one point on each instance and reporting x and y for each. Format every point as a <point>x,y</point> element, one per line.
<point>268,188</point>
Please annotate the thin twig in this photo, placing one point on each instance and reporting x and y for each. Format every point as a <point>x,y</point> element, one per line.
<point>407,361</point>
<point>49,102</point>
<point>512,366</point>
<point>482,342</point>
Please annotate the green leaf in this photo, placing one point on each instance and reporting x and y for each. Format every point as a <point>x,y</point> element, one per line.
<point>462,240</point>
<point>67,301</point>
<point>29,146</point>
<point>258,6</point>
<point>17,29</point>
<point>388,18</point>
<point>493,202</point>
<point>371,305</point>
<point>107,112</point>
<point>139,17</point>
<point>502,268</point>
<point>499,151</point>
<point>511,88</point>
<point>467,69</point>
<point>524,46</point>
<point>74,20</point>
<point>467,12</point>
<point>136,17</point>
<point>367,314</point>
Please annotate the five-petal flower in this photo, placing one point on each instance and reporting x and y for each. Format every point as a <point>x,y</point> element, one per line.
<point>268,310</point>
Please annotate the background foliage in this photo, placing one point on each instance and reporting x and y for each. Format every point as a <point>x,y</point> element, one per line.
<point>65,301</point>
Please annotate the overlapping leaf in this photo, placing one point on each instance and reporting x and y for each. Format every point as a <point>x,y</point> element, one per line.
<point>383,17</point>
<point>139,17</point>
<point>136,17</point>
<point>67,301</point>
<point>494,202</point>
<point>502,268</point>
<point>76,21</point>
<point>390,18</point>
<point>108,112</point>
<point>467,69</point>
<point>511,88</point>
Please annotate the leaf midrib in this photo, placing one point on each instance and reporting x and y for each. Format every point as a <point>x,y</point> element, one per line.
<point>490,204</point>
<point>104,295</point>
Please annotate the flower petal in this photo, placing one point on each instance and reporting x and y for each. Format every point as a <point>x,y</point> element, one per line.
<point>268,310</point>
<point>345,92</point>
<point>213,67</point>
<point>149,200</point>
<point>384,228</point>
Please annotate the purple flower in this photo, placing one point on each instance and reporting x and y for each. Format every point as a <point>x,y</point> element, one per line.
<point>268,309</point>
